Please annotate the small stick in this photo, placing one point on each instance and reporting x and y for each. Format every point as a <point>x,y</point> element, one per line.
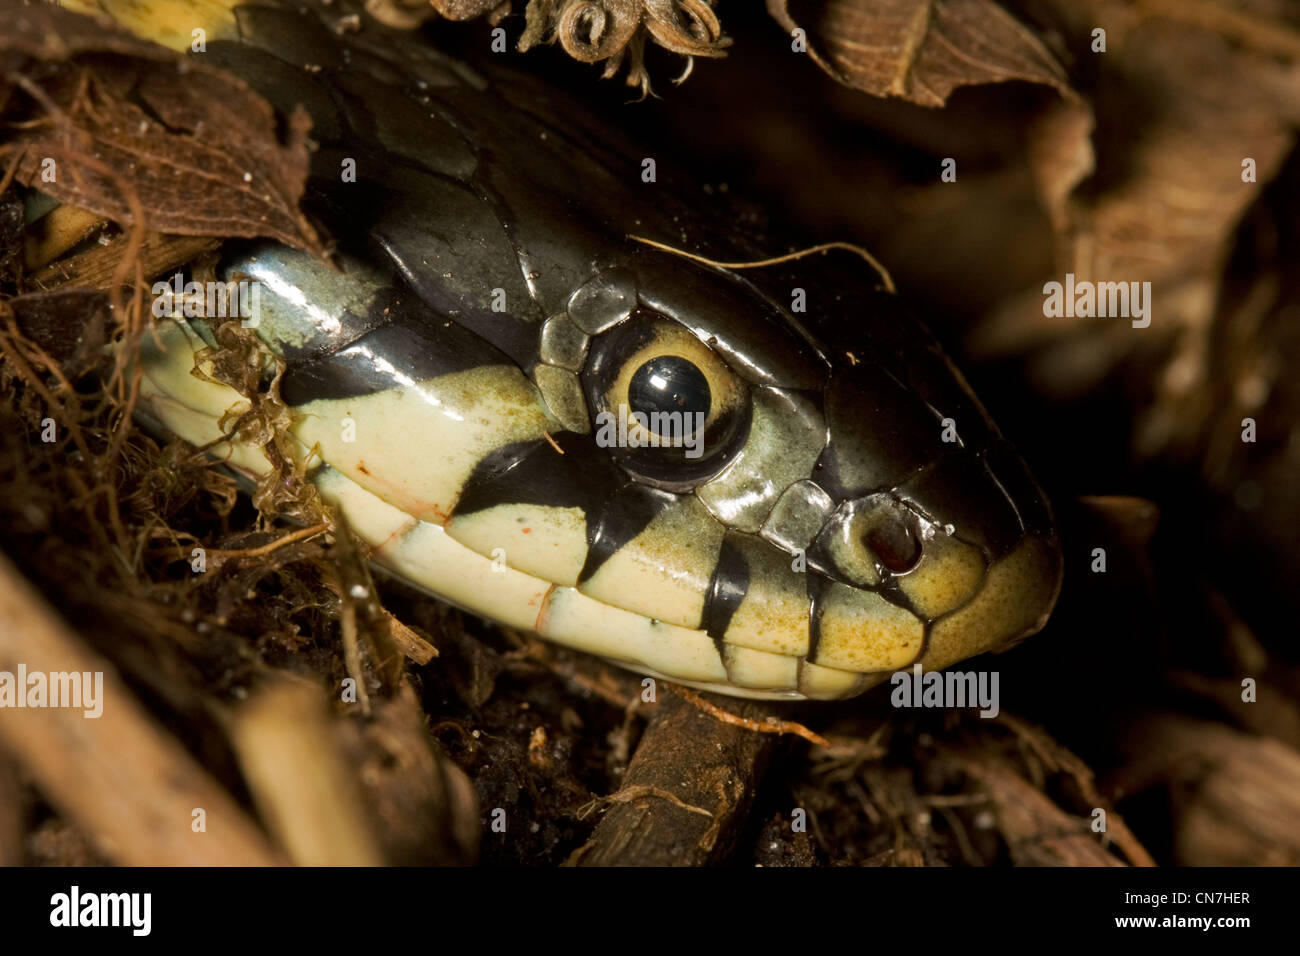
<point>271,547</point>
<point>120,776</point>
<point>300,777</point>
<point>1057,757</point>
<point>1037,831</point>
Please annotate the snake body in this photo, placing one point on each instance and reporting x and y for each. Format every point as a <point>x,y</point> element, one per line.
<point>846,507</point>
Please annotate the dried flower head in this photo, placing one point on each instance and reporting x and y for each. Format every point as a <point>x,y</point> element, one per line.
<point>607,31</point>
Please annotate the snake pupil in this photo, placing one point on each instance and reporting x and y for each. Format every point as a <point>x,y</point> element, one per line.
<point>667,384</point>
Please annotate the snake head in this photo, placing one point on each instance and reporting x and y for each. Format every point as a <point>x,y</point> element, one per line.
<point>627,450</point>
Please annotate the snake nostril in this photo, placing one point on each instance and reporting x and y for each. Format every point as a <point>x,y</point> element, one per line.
<point>894,543</point>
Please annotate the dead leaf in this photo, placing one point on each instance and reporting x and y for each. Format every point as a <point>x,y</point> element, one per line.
<point>919,50</point>
<point>96,267</point>
<point>1184,95</point>
<point>71,325</point>
<point>1061,156</point>
<point>123,127</point>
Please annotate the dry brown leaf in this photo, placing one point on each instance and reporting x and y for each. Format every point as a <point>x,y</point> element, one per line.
<point>1183,95</point>
<point>96,267</point>
<point>1061,156</point>
<point>919,50</point>
<point>126,121</point>
<point>1169,181</point>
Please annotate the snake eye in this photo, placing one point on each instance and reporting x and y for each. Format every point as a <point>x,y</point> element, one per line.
<point>669,408</point>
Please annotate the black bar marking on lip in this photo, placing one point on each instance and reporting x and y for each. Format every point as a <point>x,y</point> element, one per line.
<point>413,343</point>
<point>893,592</point>
<point>818,585</point>
<point>727,591</point>
<point>625,515</point>
<point>480,491</point>
<point>533,472</point>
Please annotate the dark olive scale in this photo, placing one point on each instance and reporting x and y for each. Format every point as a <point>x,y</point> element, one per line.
<point>468,188</point>
<point>396,328</point>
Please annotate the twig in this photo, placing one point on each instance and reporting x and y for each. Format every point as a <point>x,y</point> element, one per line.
<point>12,822</point>
<point>1037,831</point>
<point>263,550</point>
<point>302,783</point>
<point>120,776</point>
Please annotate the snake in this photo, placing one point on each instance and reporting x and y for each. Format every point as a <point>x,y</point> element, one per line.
<point>537,385</point>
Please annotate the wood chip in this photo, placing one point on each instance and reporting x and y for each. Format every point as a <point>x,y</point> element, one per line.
<point>687,790</point>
